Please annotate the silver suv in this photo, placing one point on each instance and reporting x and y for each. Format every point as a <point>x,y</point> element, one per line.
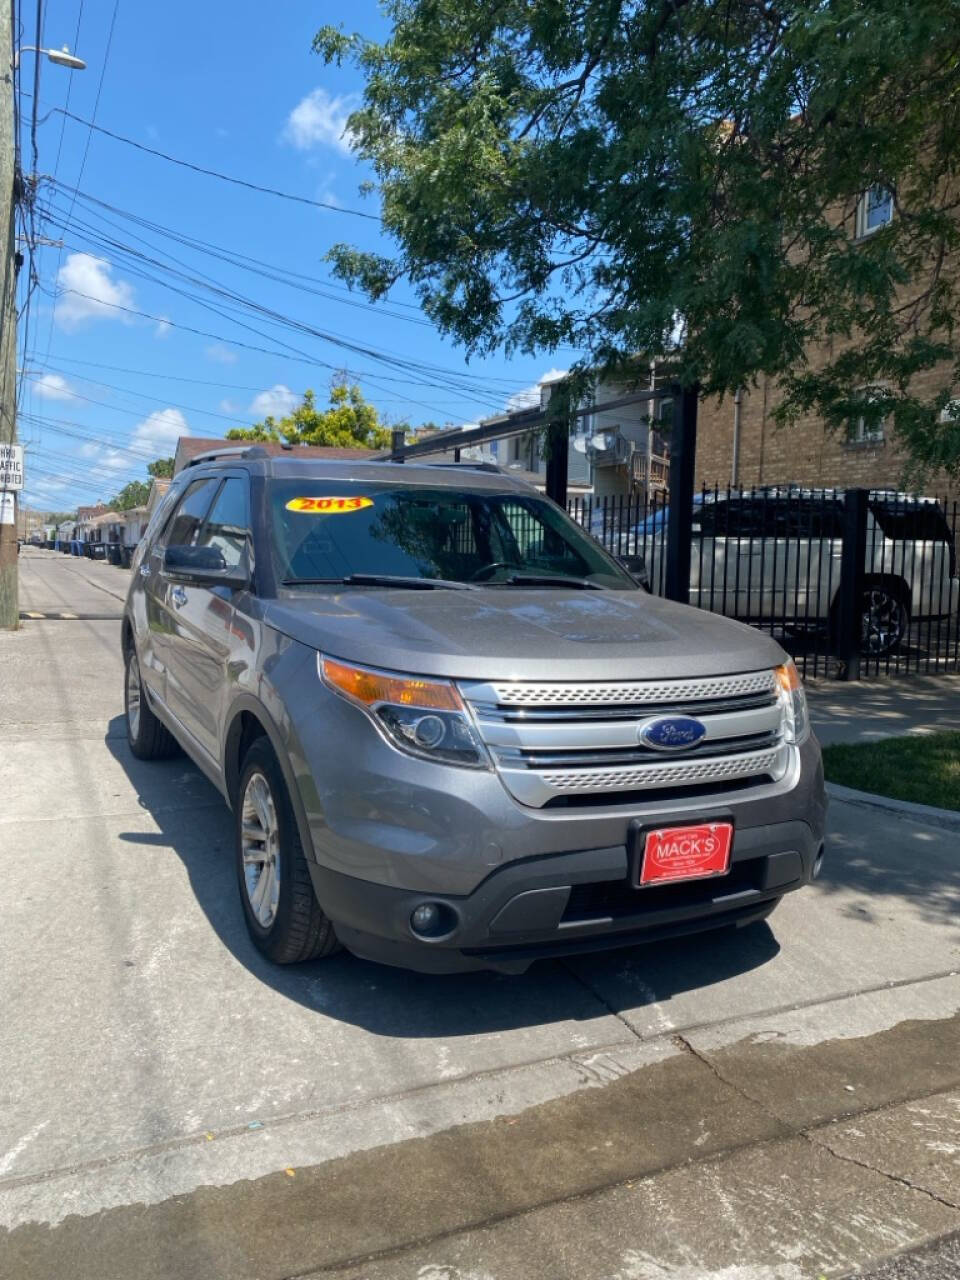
<point>454,732</point>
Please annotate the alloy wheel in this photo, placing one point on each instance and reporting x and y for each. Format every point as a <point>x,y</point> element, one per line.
<point>260,838</point>
<point>884,621</point>
<point>133,696</point>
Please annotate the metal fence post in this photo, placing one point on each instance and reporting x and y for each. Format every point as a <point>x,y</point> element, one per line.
<point>397,440</point>
<point>558,461</point>
<point>852,561</point>
<point>683,457</point>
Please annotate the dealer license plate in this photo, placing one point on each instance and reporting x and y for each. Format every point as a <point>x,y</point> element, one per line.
<point>686,853</point>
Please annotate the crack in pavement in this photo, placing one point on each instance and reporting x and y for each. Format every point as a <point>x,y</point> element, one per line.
<point>822,1145</point>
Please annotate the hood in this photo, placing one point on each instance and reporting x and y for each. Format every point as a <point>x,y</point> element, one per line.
<point>513,633</point>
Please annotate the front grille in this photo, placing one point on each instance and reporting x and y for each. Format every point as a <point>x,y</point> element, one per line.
<point>675,774</point>
<point>559,741</point>
<point>638,692</point>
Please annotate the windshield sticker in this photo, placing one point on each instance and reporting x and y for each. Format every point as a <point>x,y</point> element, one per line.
<point>328,506</point>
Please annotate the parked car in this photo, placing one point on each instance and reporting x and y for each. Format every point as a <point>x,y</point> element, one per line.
<point>454,732</point>
<point>776,554</point>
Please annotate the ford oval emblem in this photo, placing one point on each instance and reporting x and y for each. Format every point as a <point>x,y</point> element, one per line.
<point>671,733</point>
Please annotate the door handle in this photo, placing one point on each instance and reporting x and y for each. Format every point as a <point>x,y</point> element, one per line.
<point>178,596</point>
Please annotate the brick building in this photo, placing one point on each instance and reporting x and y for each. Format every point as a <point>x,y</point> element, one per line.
<point>740,444</point>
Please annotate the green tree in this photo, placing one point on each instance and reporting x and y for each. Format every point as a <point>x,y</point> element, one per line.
<point>136,493</point>
<point>678,178</point>
<point>132,495</point>
<point>349,420</point>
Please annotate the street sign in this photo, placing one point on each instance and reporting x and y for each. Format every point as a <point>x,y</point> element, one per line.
<point>7,509</point>
<point>11,466</point>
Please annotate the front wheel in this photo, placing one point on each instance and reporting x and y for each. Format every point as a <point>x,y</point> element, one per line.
<point>283,916</point>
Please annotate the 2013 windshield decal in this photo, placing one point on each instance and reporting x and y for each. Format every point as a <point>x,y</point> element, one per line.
<point>328,506</point>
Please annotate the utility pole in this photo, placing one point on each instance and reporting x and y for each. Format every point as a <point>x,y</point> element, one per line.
<point>9,607</point>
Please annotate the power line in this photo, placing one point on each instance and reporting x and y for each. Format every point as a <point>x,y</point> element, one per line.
<point>425,373</point>
<point>213,173</point>
<point>167,377</point>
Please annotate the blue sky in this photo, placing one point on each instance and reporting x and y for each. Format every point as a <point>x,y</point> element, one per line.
<point>235,88</point>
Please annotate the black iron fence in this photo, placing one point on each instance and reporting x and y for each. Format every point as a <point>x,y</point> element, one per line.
<point>851,582</point>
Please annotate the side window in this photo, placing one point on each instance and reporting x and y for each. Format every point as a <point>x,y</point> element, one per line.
<point>188,517</point>
<point>162,511</point>
<point>228,524</point>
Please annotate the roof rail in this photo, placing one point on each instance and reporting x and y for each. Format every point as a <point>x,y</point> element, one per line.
<point>233,451</point>
<point>471,466</point>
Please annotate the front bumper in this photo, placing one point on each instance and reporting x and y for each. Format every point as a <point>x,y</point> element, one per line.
<point>567,903</point>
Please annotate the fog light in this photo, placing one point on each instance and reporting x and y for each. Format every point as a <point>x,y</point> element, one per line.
<point>425,918</point>
<point>428,731</point>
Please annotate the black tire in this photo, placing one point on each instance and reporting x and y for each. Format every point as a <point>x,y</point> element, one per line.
<point>148,738</point>
<point>881,600</point>
<point>299,930</point>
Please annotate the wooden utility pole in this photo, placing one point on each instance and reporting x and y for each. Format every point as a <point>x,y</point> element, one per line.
<point>9,609</point>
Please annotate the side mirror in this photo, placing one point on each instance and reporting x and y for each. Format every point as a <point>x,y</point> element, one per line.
<point>203,567</point>
<point>636,566</point>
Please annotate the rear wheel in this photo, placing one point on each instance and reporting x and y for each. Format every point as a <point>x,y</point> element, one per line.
<point>884,620</point>
<point>283,916</point>
<point>148,738</point>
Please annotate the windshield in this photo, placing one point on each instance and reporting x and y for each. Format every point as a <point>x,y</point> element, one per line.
<point>328,531</point>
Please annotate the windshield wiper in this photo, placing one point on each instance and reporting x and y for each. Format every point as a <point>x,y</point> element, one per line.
<point>381,580</point>
<point>548,580</point>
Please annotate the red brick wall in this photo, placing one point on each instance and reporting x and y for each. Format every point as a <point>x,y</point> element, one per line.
<point>804,453</point>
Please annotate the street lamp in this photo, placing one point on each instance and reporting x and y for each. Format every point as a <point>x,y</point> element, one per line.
<point>63,57</point>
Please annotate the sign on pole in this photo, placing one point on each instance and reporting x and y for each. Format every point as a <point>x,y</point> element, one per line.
<point>11,466</point>
<point>8,513</point>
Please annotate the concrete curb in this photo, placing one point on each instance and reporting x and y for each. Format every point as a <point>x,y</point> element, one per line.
<point>949,819</point>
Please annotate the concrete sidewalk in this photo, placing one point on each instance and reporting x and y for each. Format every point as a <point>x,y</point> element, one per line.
<point>868,710</point>
<point>776,1104</point>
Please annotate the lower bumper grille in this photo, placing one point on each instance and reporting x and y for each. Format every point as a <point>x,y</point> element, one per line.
<point>615,899</point>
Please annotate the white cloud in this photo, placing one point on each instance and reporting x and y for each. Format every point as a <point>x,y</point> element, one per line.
<point>274,402</point>
<point>89,450</point>
<point>321,120</point>
<point>220,354</point>
<point>529,397</point>
<point>162,327</point>
<point>87,290</point>
<point>53,386</point>
<point>160,432</point>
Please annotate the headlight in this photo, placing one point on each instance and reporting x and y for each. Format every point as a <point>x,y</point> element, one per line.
<point>796,723</point>
<point>425,718</point>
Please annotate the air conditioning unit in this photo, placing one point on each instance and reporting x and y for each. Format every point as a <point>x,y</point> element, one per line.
<point>609,448</point>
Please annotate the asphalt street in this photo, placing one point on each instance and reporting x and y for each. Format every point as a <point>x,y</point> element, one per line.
<point>775,1104</point>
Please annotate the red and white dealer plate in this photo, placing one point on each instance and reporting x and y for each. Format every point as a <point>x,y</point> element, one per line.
<point>686,853</point>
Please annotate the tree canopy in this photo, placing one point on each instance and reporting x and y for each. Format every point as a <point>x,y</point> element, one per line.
<point>348,421</point>
<point>136,493</point>
<point>679,178</point>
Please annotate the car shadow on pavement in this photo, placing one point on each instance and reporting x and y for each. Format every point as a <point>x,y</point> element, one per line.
<point>194,822</point>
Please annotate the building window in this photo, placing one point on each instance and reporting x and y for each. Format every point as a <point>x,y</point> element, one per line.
<point>867,429</point>
<point>950,413</point>
<point>874,210</point>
